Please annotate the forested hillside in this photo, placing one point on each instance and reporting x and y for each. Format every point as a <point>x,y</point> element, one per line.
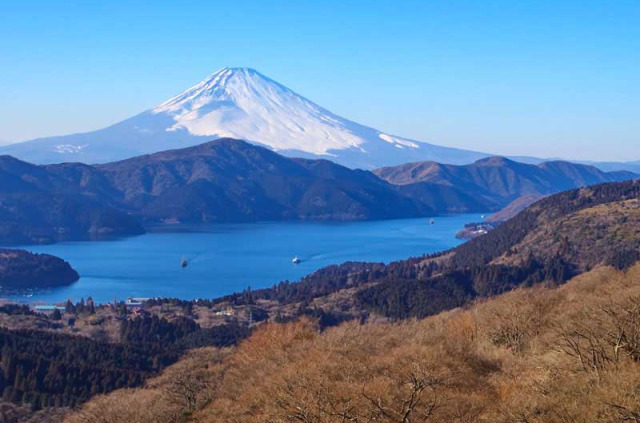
<point>499,179</point>
<point>229,180</point>
<point>553,240</point>
<point>46,369</point>
<point>458,364</point>
<point>39,206</point>
<point>221,181</point>
<point>537,355</point>
<point>22,270</point>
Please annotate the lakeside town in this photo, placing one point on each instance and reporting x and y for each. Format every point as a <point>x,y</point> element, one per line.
<point>101,321</point>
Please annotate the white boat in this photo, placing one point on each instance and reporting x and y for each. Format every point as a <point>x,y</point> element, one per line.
<point>296,260</point>
<point>431,222</point>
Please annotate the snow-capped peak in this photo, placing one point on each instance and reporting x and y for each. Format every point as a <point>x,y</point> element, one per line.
<point>239,103</point>
<point>243,103</point>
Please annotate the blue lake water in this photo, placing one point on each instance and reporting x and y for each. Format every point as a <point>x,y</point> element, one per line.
<point>226,258</point>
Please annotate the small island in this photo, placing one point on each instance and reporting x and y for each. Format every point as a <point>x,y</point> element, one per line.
<point>21,269</point>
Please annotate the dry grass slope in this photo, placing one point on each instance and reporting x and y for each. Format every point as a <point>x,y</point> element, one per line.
<point>582,237</point>
<point>566,354</point>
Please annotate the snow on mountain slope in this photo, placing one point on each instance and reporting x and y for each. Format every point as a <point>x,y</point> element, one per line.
<point>244,104</point>
<point>240,103</point>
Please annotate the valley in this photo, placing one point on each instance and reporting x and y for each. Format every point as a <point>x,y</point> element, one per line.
<point>227,258</point>
<point>413,212</point>
<point>495,297</point>
<point>229,180</point>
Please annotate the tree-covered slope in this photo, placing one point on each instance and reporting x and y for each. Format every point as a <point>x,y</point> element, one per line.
<point>539,355</point>
<point>551,241</point>
<point>230,180</point>
<point>22,270</point>
<point>38,205</point>
<point>502,180</point>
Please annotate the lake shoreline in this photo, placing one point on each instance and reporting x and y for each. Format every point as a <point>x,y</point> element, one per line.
<point>227,258</point>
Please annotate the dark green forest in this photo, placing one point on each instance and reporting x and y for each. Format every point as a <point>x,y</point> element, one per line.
<point>47,369</point>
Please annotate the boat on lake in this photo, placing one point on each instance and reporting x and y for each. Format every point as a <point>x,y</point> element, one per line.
<point>184,262</point>
<point>296,260</point>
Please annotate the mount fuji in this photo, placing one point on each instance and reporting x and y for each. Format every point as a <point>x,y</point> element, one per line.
<point>244,104</point>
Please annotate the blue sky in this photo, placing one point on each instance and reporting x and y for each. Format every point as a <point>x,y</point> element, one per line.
<point>543,78</point>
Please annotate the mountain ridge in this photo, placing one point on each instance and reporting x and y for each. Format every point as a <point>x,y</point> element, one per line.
<point>500,178</point>
<point>240,173</point>
<point>228,180</point>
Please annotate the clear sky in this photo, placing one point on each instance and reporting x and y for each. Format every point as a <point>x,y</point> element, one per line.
<point>543,78</point>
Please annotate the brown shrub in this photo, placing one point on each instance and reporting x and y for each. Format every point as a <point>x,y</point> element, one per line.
<point>128,406</point>
<point>544,355</point>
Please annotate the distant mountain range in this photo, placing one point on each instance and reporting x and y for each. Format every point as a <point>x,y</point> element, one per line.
<point>242,103</point>
<point>230,180</point>
<point>499,180</point>
<point>633,166</point>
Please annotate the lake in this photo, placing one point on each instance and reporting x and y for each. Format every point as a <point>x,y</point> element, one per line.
<point>226,258</point>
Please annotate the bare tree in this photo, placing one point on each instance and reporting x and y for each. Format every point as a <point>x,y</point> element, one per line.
<point>417,400</point>
<point>189,389</point>
<point>605,336</point>
<point>588,346</point>
<point>623,328</point>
